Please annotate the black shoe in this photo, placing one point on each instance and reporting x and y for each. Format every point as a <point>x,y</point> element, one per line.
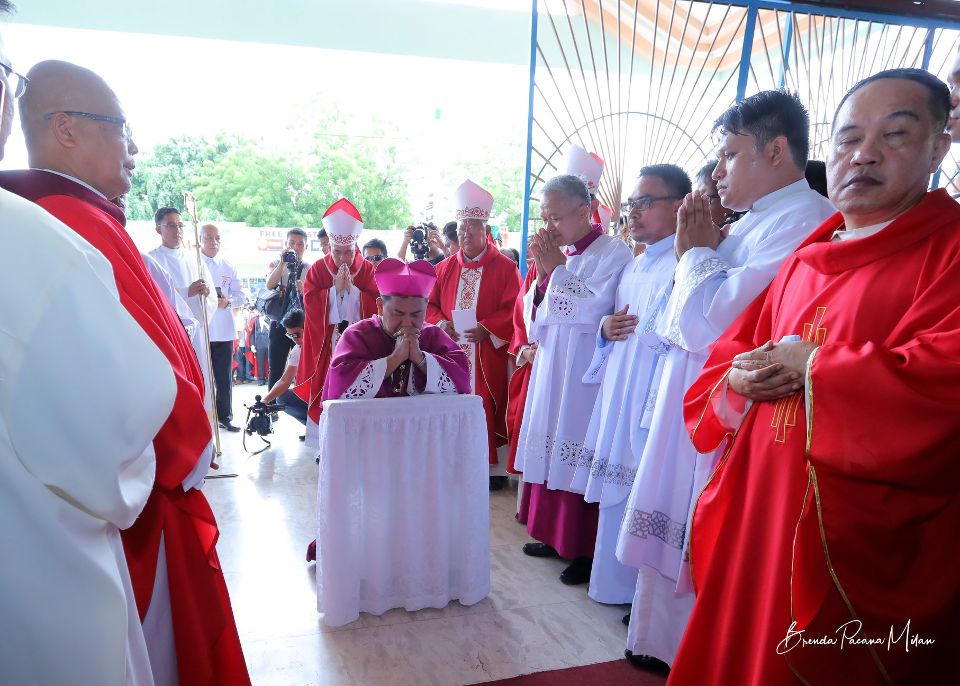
<point>303,437</point>
<point>229,427</point>
<point>626,620</point>
<point>648,662</point>
<point>539,550</point>
<point>261,383</point>
<point>497,483</point>
<point>578,572</point>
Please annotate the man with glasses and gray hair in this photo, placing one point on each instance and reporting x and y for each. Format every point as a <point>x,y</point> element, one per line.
<point>577,269</point>
<point>81,155</point>
<point>77,459</point>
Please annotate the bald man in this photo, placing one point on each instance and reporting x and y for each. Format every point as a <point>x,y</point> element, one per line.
<point>81,156</point>
<point>76,459</point>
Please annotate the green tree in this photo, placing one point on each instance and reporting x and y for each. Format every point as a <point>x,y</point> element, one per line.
<point>168,170</point>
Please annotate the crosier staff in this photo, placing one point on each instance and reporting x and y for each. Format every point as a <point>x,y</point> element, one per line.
<point>190,205</point>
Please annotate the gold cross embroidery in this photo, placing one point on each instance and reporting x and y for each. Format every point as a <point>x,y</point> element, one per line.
<point>785,411</point>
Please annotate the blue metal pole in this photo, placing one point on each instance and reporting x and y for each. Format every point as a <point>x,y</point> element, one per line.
<point>788,44</point>
<point>525,217</point>
<point>746,52</point>
<point>927,55</point>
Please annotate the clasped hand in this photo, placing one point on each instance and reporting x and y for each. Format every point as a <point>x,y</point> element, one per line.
<point>407,346</point>
<point>695,228</point>
<point>547,255</point>
<point>343,280</point>
<point>772,371</point>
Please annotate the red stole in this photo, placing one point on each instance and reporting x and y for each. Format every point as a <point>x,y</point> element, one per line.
<point>318,332</point>
<point>205,635</point>
<point>833,505</point>
<point>499,284</point>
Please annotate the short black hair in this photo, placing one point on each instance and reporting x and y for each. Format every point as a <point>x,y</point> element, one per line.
<point>675,179</point>
<point>376,243</point>
<point>512,254</point>
<point>321,234</point>
<point>162,213</point>
<point>293,319</point>
<point>816,175</point>
<point>938,98</point>
<point>769,114</point>
<point>297,231</point>
<point>450,231</point>
<point>705,173</point>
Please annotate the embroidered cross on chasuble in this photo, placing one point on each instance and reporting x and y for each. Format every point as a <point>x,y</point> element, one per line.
<point>785,411</point>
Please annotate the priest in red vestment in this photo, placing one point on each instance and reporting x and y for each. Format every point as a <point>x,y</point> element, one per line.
<point>339,290</point>
<point>76,133</point>
<point>822,548</point>
<point>479,286</point>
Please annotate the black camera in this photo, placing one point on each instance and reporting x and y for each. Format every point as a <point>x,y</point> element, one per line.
<point>291,259</point>
<point>418,242</point>
<point>258,421</point>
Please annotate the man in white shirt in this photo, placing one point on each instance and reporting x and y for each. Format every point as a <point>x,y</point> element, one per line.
<point>223,331</point>
<point>762,153</point>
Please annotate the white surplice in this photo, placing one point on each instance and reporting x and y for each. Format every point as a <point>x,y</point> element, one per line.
<point>182,269</point>
<point>558,406</point>
<point>76,458</point>
<point>628,373</point>
<point>711,289</point>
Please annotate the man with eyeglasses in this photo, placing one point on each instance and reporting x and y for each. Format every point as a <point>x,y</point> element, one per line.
<point>627,363</point>
<point>77,462</point>
<point>292,404</point>
<point>762,151</point>
<point>577,268</point>
<point>480,284</point>
<point>338,290</point>
<point>80,163</point>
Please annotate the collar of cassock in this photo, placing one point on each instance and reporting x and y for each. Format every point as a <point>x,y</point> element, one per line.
<point>33,184</point>
<point>579,246</point>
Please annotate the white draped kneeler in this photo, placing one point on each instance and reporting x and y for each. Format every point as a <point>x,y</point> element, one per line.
<point>402,505</point>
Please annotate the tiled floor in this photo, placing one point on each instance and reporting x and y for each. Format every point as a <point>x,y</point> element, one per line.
<point>530,622</point>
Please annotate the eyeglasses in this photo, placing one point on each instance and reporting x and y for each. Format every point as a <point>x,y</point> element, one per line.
<point>374,258</point>
<point>171,225</point>
<point>294,335</point>
<point>645,202</point>
<point>126,133</point>
<point>22,80</point>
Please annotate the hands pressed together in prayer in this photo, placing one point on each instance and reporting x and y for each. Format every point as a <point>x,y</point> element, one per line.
<point>547,255</point>
<point>343,280</point>
<point>619,325</point>
<point>198,287</point>
<point>772,371</point>
<point>695,228</point>
<point>407,347</point>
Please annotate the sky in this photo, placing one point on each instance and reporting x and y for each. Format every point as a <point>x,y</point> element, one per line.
<point>170,86</point>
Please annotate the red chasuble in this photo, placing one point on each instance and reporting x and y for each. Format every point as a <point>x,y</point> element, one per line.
<point>835,511</point>
<point>205,635</point>
<point>519,382</point>
<point>499,284</point>
<point>318,331</point>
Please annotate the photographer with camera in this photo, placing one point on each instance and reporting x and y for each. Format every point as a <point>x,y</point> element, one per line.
<point>425,243</point>
<point>289,265</point>
<point>292,404</point>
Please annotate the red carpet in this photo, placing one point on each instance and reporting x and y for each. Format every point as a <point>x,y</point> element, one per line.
<point>616,673</point>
